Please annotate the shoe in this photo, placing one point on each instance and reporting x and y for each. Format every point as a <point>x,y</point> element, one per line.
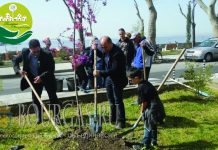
<point>112,120</point>
<point>120,125</point>
<point>136,147</point>
<point>38,122</point>
<point>59,122</point>
<point>154,146</point>
<point>135,102</point>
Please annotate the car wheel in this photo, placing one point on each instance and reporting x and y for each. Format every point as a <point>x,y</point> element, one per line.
<point>208,57</point>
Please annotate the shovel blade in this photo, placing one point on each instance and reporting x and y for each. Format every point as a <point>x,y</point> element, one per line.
<point>95,124</point>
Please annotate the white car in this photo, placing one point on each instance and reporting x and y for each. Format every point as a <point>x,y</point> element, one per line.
<point>206,50</point>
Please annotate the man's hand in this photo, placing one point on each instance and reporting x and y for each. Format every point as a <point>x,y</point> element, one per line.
<point>94,46</point>
<point>37,79</point>
<point>96,73</point>
<point>22,73</point>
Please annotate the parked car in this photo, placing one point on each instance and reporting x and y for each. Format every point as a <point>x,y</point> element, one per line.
<point>206,50</point>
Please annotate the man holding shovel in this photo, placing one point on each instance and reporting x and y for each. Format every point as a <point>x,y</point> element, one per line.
<point>39,67</point>
<point>115,79</point>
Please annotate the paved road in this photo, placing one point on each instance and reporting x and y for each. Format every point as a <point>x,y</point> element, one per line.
<point>11,86</point>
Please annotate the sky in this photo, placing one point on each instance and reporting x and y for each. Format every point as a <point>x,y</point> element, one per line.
<point>51,18</point>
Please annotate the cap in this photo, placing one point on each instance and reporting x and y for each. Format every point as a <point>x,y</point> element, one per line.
<point>134,35</point>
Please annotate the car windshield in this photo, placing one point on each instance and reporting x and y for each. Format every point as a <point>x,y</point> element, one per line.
<point>207,43</point>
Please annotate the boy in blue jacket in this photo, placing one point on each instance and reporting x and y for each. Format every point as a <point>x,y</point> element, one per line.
<point>151,107</point>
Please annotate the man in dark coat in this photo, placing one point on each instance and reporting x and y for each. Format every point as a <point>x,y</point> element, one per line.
<point>39,66</point>
<point>115,79</point>
<point>127,47</point>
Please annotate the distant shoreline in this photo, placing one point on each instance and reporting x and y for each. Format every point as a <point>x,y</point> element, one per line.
<point>160,40</point>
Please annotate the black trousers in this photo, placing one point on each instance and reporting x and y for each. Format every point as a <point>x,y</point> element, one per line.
<point>115,98</point>
<point>147,72</point>
<point>54,103</point>
<point>82,75</point>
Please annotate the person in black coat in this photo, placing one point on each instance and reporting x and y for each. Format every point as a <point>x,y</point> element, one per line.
<point>115,79</point>
<point>127,47</point>
<point>39,66</point>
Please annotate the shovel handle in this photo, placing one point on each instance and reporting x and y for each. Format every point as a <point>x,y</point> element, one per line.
<point>171,69</point>
<point>43,106</point>
<point>137,122</point>
<point>95,82</point>
<point>144,60</point>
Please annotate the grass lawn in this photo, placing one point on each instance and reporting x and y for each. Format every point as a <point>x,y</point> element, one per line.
<point>171,52</point>
<point>59,60</point>
<point>191,123</point>
<point>7,63</point>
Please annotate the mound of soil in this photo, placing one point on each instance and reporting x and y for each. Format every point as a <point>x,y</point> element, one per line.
<point>85,140</point>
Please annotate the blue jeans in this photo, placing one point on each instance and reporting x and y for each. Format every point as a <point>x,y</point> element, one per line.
<point>150,136</point>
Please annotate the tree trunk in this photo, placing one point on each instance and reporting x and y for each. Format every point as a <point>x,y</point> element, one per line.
<point>152,22</point>
<point>210,11</point>
<point>193,24</point>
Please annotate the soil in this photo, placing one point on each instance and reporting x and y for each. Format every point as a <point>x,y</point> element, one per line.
<point>84,139</point>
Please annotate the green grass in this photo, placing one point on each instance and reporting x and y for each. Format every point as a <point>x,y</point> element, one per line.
<point>171,52</point>
<point>191,123</point>
<point>7,63</point>
<point>59,60</point>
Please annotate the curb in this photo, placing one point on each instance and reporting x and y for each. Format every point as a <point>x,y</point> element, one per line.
<point>10,76</point>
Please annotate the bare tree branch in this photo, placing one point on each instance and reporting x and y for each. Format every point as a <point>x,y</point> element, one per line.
<point>139,16</point>
<point>203,6</point>
<point>69,10</point>
<point>212,3</point>
<point>180,8</point>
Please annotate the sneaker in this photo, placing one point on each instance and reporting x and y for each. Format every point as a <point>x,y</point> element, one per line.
<point>139,147</point>
<point>135,102</point>
<point>136,147</point>
<point>154,146</point>
<point>120,125</point>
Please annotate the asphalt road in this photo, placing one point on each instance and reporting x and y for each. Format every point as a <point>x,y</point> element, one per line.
<point>11,86</point>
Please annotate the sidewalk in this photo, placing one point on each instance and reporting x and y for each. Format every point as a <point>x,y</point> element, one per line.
<point>62,67</point>
<point>9,71</point>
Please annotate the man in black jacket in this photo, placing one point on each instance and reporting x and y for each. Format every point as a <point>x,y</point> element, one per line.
<point>39,66</point>
<point>116,80</point>
<point>127,47</point>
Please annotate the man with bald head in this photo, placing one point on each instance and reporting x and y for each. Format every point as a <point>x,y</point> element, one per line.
<point>116,80</point>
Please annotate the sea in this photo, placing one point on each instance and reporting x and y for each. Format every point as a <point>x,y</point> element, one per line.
<point>160,40</point>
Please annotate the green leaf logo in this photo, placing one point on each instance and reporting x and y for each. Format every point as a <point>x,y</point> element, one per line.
<point>15,23</point>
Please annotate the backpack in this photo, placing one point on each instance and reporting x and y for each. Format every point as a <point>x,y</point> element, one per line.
<point>147,47</point>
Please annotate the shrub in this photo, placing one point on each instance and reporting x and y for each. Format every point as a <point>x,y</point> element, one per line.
<point>63,55</point>
<point>198,76</point>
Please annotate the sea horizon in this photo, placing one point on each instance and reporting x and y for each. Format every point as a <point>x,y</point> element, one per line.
<point>55,44</point>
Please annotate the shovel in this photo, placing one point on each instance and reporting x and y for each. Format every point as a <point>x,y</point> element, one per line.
<point>189,87</point>
<point>60,134</point>
<point>95,120</point>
